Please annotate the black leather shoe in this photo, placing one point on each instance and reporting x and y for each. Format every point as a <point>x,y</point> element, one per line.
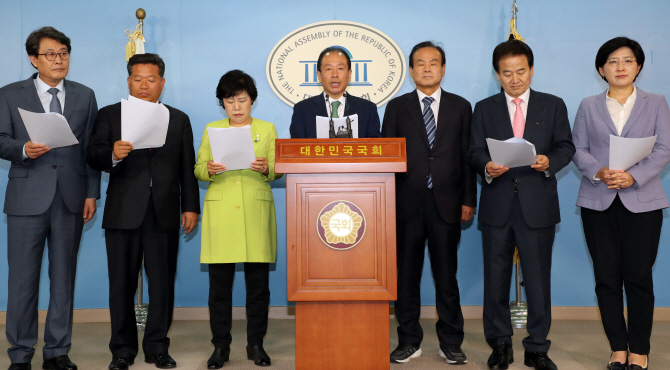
<point>218,357</point>
<point>453,354</point>
<point>501,357</point>
<point>538,360</point>
<point>638,367</point>
<point>59,363</point>
<point>162,360</point>
<point>258,355</point>
<point>20,366</point>
<point>120,363</point>
<point>616,366</point>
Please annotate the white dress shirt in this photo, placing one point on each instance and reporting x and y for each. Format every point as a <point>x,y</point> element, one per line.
<point>620,112</point>
<point>435,105</point>
<point>45,96</point>
<point>511,107</point>
<point>340,109</point>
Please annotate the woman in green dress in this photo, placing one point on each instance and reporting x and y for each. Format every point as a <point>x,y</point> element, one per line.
<point>238,222</point>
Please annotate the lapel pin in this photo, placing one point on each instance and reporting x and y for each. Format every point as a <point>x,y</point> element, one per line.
<point>258,138</point>
<point>539,123</point>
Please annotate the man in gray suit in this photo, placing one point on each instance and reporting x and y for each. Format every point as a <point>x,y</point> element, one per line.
<point>50,194</point>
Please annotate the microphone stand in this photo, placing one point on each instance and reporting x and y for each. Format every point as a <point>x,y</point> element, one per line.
<point>331,133</point>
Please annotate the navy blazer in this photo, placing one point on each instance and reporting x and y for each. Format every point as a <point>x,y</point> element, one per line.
<point>593,127</point>
<point>454,180</point>
<point>32,182</point>
<point>303,122</point>
<point>548,128</point>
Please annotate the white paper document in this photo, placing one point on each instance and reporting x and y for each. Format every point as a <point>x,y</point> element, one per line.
<point>625,152</point>
<point>144,124</point>
<point>514,152</point>
<point>232,147</point>
<point>50,129</point>
<point>323,126</point>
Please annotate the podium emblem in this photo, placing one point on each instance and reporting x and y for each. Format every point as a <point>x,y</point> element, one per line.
<point>341,225</point>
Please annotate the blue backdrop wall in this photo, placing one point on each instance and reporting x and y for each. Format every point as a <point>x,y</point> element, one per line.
<point>201,40</point>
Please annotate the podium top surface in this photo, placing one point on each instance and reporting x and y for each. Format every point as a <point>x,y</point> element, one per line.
<point>376,155</point>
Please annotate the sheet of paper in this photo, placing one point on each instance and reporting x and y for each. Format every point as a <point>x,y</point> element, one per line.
<point>514,152</point>
<point>143,123</point>
<point>232,147</point>
<point>323,126</point>
<point>625,152</point>
<point>50,129</point>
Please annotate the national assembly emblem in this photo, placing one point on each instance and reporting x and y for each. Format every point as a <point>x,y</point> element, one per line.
<point>341,225</point>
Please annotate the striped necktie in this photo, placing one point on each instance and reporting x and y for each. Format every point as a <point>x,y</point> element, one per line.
<point>429,120</point>
<point>54,106</point>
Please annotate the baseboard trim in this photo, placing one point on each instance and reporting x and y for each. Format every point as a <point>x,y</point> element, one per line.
<point>288,313</point>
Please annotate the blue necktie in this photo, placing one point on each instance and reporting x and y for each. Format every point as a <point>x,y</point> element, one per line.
<point>54,106</point>
<point>429,120</point>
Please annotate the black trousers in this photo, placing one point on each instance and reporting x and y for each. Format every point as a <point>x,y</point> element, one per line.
<point>443,240</point>
<point>535,248</point>
<point>125,250</point>
<point>257,278</point>
<point>623,247</point>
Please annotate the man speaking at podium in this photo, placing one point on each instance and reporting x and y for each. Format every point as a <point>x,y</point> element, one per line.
<point>437,193</point>
<point>334,72</point>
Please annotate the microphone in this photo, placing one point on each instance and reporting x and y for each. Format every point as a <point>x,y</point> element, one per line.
<point>331,133</point>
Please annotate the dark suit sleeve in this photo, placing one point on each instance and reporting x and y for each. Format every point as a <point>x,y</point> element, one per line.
<point>10,149</point>
<point>92,175</point>
<point>100,146</point>
<point>190,192</point>
<point>389,128</point>
<point>373,122</point>
<point>297,127</point>
<point>562,148</point>
<point>479,153</point>
<point>469,175</point>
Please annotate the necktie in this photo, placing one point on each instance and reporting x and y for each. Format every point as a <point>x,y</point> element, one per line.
<point>429,120</point>
<point>519,122</point>
<point>54,106</point>
<point>333,106</point>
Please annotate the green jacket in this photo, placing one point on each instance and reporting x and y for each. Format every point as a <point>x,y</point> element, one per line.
<point>238,219</point>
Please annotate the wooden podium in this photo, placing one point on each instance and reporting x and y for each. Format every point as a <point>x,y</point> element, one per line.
<point>341,247</point>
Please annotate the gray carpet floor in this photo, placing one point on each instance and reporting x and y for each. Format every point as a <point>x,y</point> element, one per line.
<point>576,345</point>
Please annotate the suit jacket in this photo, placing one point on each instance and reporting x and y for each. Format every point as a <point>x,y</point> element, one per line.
<point>548,128</point>
<point>165,173</point>
<point>591,135</point>
<point>32,182</point>
<point>454,181</point>
<point>303,122</point>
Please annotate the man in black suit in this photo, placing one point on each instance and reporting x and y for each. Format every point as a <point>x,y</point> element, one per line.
<point>51,193</point>
<point>437,193</point>
<point>149,192</point>
<point>334,72</point>
<point>519,206</point>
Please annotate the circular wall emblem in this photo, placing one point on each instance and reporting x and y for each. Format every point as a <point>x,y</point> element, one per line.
<point>377,63</point>
<point>341,225</point>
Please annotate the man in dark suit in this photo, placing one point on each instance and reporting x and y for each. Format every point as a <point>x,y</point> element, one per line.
<point>50,194</point>
<point>437,193</point>
<point>149,192</point>
<point>519,206</point>
<point>334,73</point>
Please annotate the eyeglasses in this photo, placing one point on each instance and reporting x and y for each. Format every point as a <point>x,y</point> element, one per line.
<point>627,62</point>
<point>64,55</point>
